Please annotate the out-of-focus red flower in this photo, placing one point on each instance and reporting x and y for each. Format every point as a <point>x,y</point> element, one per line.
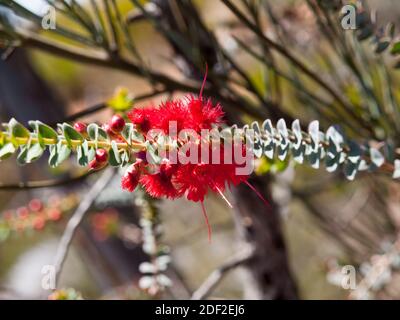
<point>38,223</point>
<point>105,224</point>
<point>35,205</point>
<point>54,214</point>
<point>23,212</point>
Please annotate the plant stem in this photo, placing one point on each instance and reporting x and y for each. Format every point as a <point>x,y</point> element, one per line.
<point>74,143</point>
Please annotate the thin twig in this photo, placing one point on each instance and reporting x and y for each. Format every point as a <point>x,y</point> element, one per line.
<point>77,218</point>
<point>218,274</point>
<point>103,105</point>
<point>44,183</point>
<point>118,63</point>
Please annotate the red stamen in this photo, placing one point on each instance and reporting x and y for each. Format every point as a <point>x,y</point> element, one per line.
<point>223,197</point>
<point>257,193</point>
<point>204,82</point>
<point>207,222</point>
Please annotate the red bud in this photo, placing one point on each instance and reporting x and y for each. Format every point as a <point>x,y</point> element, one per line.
<point>117,123</point>
<point>101,155</point>
<point>80,127</point>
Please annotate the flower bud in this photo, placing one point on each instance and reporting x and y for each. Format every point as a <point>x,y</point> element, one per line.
<point>117,123</point>
<point>80,127</point>
<point>107,128</point>
<point>101,155</point>
<point>96,165</point>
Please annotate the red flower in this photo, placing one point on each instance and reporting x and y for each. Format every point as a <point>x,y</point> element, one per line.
<point>196,179</point>
<point>144,119</point>
<point>130,179</point>
<point>189,113</point>
<point>203,114</point>
<point>160,184</point>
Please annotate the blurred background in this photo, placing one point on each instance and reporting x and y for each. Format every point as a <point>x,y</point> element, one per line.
<point>318,221</point>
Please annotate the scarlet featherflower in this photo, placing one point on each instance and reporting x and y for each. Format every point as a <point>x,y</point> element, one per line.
<point>130,179</point>
<point>160,184</point>
<point>188,113</point>
<point>192,180</point>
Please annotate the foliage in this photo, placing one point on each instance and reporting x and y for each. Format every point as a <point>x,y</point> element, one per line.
<point>345,77</point>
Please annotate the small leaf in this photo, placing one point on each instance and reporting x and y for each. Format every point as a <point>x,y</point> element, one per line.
<point>256,127</point>
<point>363,166</point>
<point>269,149</point>
<point>298,154</point>
<point>91,154</point>
<point>7,151</point>
<point>257,149</point>
<point>63,152</point>
<point>53,156</point>
<point>332,163</point>
<point>268,128</point>
<point>296,129</point>
<point>282,152</point>
<point>127,132</point>
<point>313,130</point>
<point>21,158</point>
<point>96,133</point>
<point>114,158</point>
<point>282,129</point>
<point>46,132</point>
<point>17,130</point>
<point>355,152</point>
<point>335,136</point>
<point>377,157</point>
<point>34,152</point>
<point>350,170</point>
<point>82,153</point>
<point>71,134</point>
<point>124,158</point>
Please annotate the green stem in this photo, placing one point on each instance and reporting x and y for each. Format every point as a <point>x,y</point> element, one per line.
<point>74,143</point>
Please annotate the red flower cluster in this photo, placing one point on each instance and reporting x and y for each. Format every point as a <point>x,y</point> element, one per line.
<point>176,180</point>
<point>189,113</point>
<point>36,215</point>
